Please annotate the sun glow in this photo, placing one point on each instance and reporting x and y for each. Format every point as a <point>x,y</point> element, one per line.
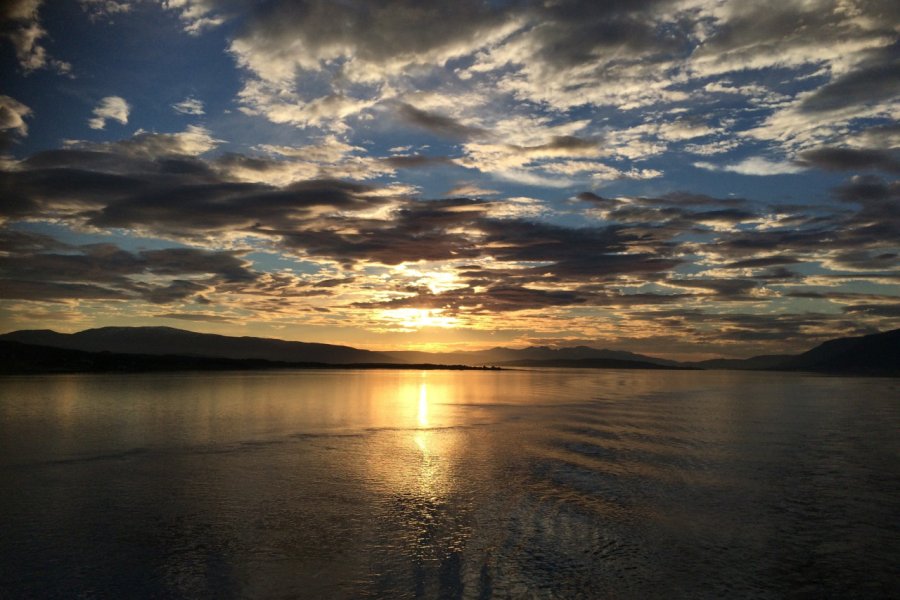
<point>417,318</point>
<point>436,280</point>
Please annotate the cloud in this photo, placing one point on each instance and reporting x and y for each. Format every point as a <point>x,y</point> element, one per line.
<point>517,208</point>
<point>866,260</point>
<point>24,242</point>
<point>35,267</point>
<point>593,198</point>
<point>656,54</point>
<point>413,161</point>
<point>870,191</point>
<point>879,137</point>
<point>105,9</point>
<point>12,121</point>
<point>208,209</point>
<point>791,34</point>
<point>111,108</point>
<point>873,80</point>
<point>193,141</point>
<point>571,54</point>
<point>754,166</point>
<point>685,64</point>
<point>287,107</point>
<point>438,124</point>
<point>872,226</point>
<point>127,153</point>
<point>203,317</point>
<point>732,289</point>
<point>476,73</point>
<point>471,190</point>
<point>189,106</point>
<point>20,24</point>
<point>284,44</point>
<point>380,246</point>
<point>47,291</point>
<point>890,311</point>
<point>149,166</point>
<point>762,261</point>
<point>500,298</point>
<point>554,161</point>
<point>20,10</point>
<point>372,41</point>
<point>851,159</point>
<point>180,261</point>
<point>794,331</point>
<point>327,149</point>
<point>197,15</point>
<point>323,158</point>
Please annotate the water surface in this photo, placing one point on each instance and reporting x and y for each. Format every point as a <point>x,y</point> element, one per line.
<point>406,484</point>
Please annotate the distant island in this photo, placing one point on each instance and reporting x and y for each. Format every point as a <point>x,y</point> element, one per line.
<point>135,349</point>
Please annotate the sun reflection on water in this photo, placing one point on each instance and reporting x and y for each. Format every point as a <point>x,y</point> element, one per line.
<point>420,437</point>
<point>423,404</point>
<point>413,458</point>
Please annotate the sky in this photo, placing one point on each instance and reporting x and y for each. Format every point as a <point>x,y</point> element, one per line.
<point>684,178</point>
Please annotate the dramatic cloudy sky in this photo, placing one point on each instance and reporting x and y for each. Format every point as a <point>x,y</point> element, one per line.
<point>682,178</point>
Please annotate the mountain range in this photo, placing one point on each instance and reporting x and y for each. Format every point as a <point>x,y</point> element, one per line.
<point>875,354</point>
<point>171,341</point>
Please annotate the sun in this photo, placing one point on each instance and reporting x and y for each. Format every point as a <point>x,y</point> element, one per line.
<point>419,318</point>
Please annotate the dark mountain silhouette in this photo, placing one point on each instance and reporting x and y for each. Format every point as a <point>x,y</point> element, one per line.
<point>495,356</point>
<point>589,363</point>
<point>756,363</point>
<point>168,340</point>
<point>16,357</point>
<point>19,358</point>
<point>874,354</point>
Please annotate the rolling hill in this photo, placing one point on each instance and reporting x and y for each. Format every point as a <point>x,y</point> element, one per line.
<point>171,341</point>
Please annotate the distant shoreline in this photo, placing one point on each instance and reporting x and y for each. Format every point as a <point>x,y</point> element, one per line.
<point>26,359</point>
<point>160,349</point>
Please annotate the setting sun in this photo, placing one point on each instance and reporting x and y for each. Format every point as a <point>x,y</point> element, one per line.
<point>418,318</point>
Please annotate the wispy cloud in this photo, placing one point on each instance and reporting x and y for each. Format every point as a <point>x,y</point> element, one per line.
<point>111,108</point>
<point>189,106</point>
<point>12,120</point>
<point>754,166</point>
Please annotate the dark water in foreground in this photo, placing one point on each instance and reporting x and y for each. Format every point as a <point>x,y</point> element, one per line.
<point>528,484</point>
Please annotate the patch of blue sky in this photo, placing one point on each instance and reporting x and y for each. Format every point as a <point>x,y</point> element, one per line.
<point>244,133</point>
<point>124,239</point>
<point>143,56</point>
<point>435,181</point>
<point>276,261</point>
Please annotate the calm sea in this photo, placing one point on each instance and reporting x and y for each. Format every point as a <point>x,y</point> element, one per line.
<point>406,484</point>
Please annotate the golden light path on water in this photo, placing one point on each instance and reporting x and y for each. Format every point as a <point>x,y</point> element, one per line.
<point>428,474</point>
<point>415,455</point>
